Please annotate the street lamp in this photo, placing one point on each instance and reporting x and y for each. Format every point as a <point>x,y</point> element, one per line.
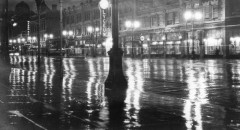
<point>14,24</point>
<point>132,25</point>
<point>11,41</point>
<point>180,37</point>
<point>149,47</point>
<point>29,39</point>
<point>104,4</point>
<point>48,36</point>
<point>191,15</point>
<point>116,78</point>
<point>34,38</point>
<point>164,38</point>
<point>93,31</point>
<point>20,42</point>
<point>67,34</point>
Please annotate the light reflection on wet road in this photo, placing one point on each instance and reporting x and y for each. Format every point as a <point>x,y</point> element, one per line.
<point>162,93</point>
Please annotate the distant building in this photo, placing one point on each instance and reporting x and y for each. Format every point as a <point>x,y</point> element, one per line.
<point>49,22</point>
<point>20,17</point>
<point>165,30</point>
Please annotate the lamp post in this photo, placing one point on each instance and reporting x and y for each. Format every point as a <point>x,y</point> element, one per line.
<point>67,34</point>
<point>20,42</point>
<point>11,43</point>
<point>149,47</point>
<point>93,31</point>
<point>180,37</point>
<point>115,77</point>
<point>191,15</point>
<point>164,38</point>
<point>38,3</point>
<point>48,36</point>
<point>132,25</point>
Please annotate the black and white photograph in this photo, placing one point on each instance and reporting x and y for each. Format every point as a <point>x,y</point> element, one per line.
<point>119,64</point>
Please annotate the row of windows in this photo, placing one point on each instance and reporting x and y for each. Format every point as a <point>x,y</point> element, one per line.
<point>211,11</point>
<point>34,27</point>
<point>157,20</point>
<point>82,30</point>
<point>82,17</point>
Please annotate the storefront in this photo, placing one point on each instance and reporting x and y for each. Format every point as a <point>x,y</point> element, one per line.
<point>173,44</point>
<point>213,42</point>
<point>132,47</point>
<point>234,39</point>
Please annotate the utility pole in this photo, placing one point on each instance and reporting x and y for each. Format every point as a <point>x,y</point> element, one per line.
<point>61,27</point>
<point>38,35</point>
<point>38,3</point>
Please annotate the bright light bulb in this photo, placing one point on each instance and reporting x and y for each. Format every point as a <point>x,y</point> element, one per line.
<point>188,15</point>
<point>23,39</point>
<point>96,29</point>
<point>70,33</point>
<point>104,4</point>
<point>198,15</point>
<point>128,24</point>
<point>64,32</point>
<point>45,35</point>
<point>90,29</point>
<point>51,36</point>
<point>136,24</point>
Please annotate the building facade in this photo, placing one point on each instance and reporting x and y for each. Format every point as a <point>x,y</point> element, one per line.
<point>79,18</point>
<point>163,27</point>
<point>49,23</point>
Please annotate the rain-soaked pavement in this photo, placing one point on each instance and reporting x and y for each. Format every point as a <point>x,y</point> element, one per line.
<point>171,94</point>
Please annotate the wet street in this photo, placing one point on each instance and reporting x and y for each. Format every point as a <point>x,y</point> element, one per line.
<point>166,94</point>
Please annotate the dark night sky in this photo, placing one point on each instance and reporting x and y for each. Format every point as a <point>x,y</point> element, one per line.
<point>31,3</point>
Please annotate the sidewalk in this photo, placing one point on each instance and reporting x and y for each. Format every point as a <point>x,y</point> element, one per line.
<point>4,90</point>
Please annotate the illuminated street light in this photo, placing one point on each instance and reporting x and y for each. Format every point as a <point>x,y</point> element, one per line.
<point>180,37</point>
<point>14,24</point>
<point>19,40</point>
<point>45,36</point>
<point>90,29</point>
<point>93,31</point>
<point>128,24</point>
<point>136,24</point>
<point>29,38</point>
<point>132,25</point>
<point>48,36</point>
<point>97,29</point>
<point>51,36</point>
<point>191,15</point>
<point>70,33</point>
<point>188,15</point>
<point>116,80</point>
<point>198,15</point>
<point>64,32</point>
<point>67,33</point>
<point>34,38</point>
<point>23,40</point>
<point>163,38</point>
<point>104,4</point>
